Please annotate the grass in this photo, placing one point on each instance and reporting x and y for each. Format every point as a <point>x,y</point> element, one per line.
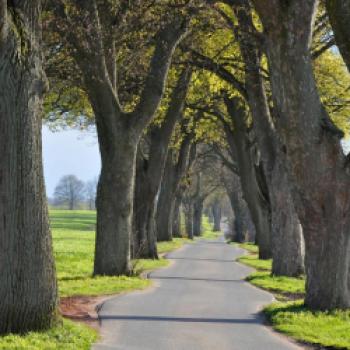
<point>207,229</point>
<point>67,336</point>
<point>325,329</point>
<point>176,243</point>
<point>73,242</point>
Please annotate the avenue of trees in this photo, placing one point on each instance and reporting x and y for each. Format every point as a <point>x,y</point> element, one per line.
<point>193,102</point>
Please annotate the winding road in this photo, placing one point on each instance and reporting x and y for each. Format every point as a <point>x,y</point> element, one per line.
<point>199,302</point>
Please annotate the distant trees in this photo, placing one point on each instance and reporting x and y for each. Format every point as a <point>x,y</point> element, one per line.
<point>90,193</point>
<point>72,192</point>
<point>69,191</point>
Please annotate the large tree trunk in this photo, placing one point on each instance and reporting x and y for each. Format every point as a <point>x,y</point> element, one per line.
<point>316,163</point>
<point>339,15</point>
<point>287,238</point>
<point>165,205</point>
<point>177,218</point>
<point>216,209</point>
<point>144,242</point>
<point>238,221</point>
<point>28,290</point>
<point>197,216</point>
<point>285,231</point>
<point>188,211</point>
<point>112,249</point>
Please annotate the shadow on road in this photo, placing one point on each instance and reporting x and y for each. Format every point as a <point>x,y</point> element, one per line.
<point>255,320</point>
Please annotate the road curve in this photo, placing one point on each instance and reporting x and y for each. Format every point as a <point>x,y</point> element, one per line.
<point>199,302</point>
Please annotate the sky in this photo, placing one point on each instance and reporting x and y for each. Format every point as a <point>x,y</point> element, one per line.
<point>69,152</point>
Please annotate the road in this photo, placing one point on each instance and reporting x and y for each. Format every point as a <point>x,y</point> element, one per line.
<point>199,302</point>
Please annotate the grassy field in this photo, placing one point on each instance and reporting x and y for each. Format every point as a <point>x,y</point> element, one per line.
<point>73,242</point>
<point>325,329</point>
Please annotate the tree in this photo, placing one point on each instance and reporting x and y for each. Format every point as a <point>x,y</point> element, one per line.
<point>28,290</point>
<point>70,191</point>
<point>316,163</point>
<point>176,166</point>
<point>94,48</point>
<point>339,15</point>
<point>90,193</point>
<point>150,168</point>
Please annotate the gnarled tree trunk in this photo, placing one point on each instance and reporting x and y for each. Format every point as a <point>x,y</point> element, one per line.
<point>28,290</point>
<point>316,163</point>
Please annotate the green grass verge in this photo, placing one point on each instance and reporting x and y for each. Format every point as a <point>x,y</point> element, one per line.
<point>326,329</point>
<point>74,241</point>
<point>67,336</point>
<point>253,261</point>
<point>176,243</point>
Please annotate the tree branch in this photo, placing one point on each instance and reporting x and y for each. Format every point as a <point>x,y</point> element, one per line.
<point>166,42</point>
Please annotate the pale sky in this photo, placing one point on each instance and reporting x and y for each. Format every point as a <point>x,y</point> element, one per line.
<point>69,152</point>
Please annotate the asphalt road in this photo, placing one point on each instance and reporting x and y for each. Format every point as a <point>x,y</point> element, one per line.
<point>199,302</point>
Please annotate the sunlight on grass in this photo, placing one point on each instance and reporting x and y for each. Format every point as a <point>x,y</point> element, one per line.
<point>330,329</point>
<point>253,261</point>
<point>279,284</point>
<point>176,243</point>
<point>74,241</point>
<point>68,336</point>
<point>326,329</point>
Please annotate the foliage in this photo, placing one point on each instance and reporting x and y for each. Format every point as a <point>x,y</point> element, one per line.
<point>333,83</point>
<point>328,329</point>
<point>65,336</point>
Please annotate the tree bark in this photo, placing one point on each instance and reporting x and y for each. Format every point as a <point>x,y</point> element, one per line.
<point>197,216</point>
<point>216,209</point>
<point>28,291</point>
<point>339,16</point>
<point>112,248</point>
<point>287,236</point>
<point>188,211</point>
<point>316,164</point>
<point>177,218</point>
